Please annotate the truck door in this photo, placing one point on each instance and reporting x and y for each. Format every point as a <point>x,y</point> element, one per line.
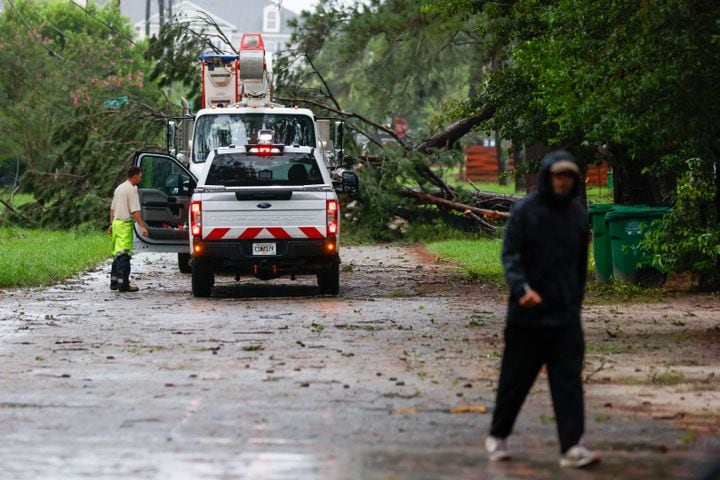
<point>164,192</point>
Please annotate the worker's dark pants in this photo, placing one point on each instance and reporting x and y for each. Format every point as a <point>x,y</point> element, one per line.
<point>120,272</point>
<point>527,349</point>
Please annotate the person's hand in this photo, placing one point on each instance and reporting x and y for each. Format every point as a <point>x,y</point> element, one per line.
<point>109,230</point>
<point>144,231</point>
<point>530,299</point>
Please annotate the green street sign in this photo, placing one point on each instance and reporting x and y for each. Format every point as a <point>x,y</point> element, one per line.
<point>116,102</point>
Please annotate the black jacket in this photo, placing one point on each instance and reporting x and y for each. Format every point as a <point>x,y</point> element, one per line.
<point>546,249</point>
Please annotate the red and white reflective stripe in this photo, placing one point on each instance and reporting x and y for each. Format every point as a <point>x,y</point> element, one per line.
<point>216,233</point>
<point>264,233</point>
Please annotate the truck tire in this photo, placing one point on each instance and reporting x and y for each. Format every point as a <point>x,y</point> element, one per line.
<point>329,280</point>
<point>184,263</point>
<point>203,278</point>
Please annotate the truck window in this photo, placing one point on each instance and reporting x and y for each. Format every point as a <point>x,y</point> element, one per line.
<point>242,170</point>
<point>161,173</point>
<point>213,131</point>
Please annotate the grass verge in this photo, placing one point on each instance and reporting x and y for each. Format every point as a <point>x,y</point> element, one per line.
<point>450,176</point>
<point>41,257</point>
<point>480,258</point>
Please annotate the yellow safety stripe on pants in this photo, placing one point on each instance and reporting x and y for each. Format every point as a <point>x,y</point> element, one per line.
<point>122,235</point>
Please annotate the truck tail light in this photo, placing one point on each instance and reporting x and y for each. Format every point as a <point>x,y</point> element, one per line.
<point>332,217</point>
<point>196,219</point>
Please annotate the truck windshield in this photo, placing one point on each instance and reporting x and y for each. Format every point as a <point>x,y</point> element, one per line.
<point>222,130</point>
<point>242,170</point>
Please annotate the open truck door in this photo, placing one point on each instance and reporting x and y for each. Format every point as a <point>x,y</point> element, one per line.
<point>165,192</point>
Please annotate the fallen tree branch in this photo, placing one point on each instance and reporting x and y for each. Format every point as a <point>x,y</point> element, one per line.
<point>483,195</point>
<point>328,92</point>
<point>7,205</point>
<point>482,212</point>
<point>345,114</point>
<point>487,226</point>
<point>455,131</point>
<point>439,182</point>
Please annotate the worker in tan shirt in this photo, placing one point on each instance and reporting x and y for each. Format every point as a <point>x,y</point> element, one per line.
<point>124,212</point>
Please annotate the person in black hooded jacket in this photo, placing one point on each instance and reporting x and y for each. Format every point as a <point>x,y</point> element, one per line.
<point>544,255</point>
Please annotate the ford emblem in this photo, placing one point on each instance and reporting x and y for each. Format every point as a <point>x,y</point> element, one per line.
<point>264,205</point>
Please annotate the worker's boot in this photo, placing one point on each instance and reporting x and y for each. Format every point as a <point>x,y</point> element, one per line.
<point>114,275</point>
<point>123,271</point>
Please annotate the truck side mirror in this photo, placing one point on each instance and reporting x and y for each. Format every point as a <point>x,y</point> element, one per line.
<point>350,182</point>
<point>170,135</point>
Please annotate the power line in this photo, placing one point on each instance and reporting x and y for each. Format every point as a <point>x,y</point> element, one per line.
<point>32,30</point>
<point>55,27</point>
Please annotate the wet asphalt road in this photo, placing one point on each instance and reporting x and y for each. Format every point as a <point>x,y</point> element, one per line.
<point>272,381</point>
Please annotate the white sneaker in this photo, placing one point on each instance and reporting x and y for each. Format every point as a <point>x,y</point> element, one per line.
<point>578,457</point>
<point>497,449</point>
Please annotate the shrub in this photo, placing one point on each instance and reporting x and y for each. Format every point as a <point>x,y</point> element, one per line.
<point>688,238</point>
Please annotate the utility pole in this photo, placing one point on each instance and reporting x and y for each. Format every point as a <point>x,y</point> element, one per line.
<point>147,18</point>
<point>161,11</point>
<point>170,12</point>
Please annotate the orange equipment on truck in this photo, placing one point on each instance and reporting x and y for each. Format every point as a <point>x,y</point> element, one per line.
<point>219,79</point>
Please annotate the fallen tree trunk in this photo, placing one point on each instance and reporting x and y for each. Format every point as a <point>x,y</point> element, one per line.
<point>482,212</point>
<point>487,200</point>
<point>503,203</point>
<point>482,195</point>
<point>454,132</point>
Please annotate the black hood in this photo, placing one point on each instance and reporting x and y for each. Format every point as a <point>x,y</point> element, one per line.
<point>544,183</point>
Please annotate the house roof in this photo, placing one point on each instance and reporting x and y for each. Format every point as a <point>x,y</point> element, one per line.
<point>186,7</point>
<point>234,12</point>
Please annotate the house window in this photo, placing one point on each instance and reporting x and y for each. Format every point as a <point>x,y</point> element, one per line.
<point>271,19</point>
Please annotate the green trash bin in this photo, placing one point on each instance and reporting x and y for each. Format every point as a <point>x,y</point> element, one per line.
<point>627,226</point>
<point>602,250</point>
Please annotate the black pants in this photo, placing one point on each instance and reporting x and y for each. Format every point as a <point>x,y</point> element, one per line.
<point>527,349</point>
<point>120,272</point>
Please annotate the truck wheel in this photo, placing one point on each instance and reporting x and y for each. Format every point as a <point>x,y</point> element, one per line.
<point>184,263</point>
<point>203,278</point>
<point>329,280</point>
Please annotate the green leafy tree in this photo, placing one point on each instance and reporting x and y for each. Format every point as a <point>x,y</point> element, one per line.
<point>62,63</point>
<point>634,83</point>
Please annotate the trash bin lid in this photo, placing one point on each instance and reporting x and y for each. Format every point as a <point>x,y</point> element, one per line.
<point>600,208</point>
<point>635,211</point>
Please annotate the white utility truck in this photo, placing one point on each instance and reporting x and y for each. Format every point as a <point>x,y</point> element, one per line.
<point>248,187</point>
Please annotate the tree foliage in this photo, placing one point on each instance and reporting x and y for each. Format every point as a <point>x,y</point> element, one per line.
<point>61,64</point>
<point>386,59</point>
<point>688,238</point>
<point>634,83</point>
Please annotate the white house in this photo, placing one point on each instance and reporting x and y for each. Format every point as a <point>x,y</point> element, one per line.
<point>234,17</point>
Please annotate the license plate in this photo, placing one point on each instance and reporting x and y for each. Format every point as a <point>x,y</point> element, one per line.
<point>264,249</point>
